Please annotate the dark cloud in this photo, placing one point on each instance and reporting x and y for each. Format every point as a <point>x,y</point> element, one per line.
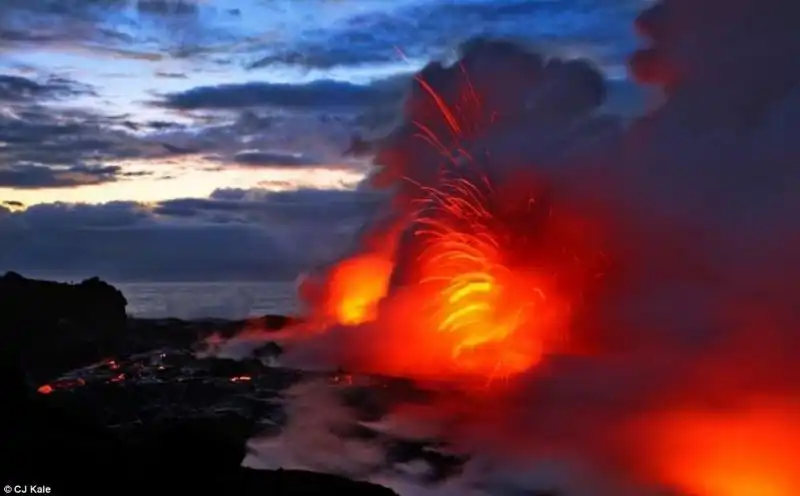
<point>369,37</point>
<point>262,138</point>
<point>27,176</point>
<point>234,234</point>
<point>43,22</point>
<point>271,159</point>
<point>171,75</point>
<point>61,146</point>
<point>68,216</point>
<point>86,23</point>
<point>167,7</point>
<point>18,88</point>
<point>317,94</point>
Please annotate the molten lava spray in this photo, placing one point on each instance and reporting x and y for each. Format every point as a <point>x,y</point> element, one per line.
<point>487,272</point>
<point>356,287</point>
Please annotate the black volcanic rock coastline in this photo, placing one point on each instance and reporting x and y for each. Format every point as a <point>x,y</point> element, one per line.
<point>67,439</point>
<point>52,327</point>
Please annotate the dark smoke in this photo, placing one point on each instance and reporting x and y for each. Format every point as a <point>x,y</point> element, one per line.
<point>698,204</point>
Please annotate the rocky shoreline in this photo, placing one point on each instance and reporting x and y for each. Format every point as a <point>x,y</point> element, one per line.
<point>96,396</point>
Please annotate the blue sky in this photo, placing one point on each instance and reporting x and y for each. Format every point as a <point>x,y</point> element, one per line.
<point>119,107</point>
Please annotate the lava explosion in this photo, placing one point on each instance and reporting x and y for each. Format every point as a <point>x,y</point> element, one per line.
<point>487,273</point>
<point>496,295</point>
<point>478,302</point>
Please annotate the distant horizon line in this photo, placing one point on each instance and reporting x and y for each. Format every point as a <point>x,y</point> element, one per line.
<point>111,280</point>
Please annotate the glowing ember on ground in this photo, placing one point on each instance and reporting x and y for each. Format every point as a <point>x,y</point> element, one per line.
<point>46,389</point>
<point>118,378</point>
<point>343,379</point>
<point>61,384</point>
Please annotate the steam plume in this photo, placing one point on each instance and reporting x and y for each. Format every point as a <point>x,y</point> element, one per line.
<point>679,372</point>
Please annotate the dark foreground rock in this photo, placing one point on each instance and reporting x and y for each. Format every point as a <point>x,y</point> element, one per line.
<point>129,424</point>
<point>72,454</point>
<point>52,327</point>
<point>56,327</point>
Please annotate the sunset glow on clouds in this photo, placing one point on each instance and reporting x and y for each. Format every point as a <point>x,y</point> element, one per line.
<point>126,102</point>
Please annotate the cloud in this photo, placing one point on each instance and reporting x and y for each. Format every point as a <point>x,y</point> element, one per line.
<point>235,234</point>
<point>168,7</point>
<point>370,35</point>
<point>90,25</point>
<point>324,94</point>
<point>43,145</point>
<point>171,75</point>
<point>269,159</point>
<point>267,138</point>
<point>37,176</point>
<point>14,89</point>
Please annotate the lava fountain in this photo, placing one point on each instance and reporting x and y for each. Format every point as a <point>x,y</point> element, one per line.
<point>483,275</point>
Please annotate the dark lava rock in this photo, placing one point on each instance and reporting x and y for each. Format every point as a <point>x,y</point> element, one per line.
<point>303,483</point>
<point>49,445</point>
<point>268,350</point>
<point>52,327</point>
<point>147,415</point>
<point>56,327</point>
<point>92,306</point>
<point>273,322</point>
<point>443,465</point>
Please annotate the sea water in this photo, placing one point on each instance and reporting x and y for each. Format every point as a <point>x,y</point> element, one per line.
<point>196,300</point>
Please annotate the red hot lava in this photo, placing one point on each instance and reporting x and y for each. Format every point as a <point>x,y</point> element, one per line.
<point>750,451</point>
<point>488,273</point>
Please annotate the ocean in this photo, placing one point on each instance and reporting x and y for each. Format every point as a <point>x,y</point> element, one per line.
<point>196,300</point>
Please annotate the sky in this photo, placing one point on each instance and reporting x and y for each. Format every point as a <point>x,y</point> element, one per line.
<point>214,139</point>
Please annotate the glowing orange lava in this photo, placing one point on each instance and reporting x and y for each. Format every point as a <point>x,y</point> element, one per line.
<point>355,288</point>
<point>480,302</point>
<point>46,389</point>
<point>753,452</point>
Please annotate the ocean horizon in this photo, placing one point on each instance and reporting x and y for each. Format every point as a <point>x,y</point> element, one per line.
<point>209,299</point>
